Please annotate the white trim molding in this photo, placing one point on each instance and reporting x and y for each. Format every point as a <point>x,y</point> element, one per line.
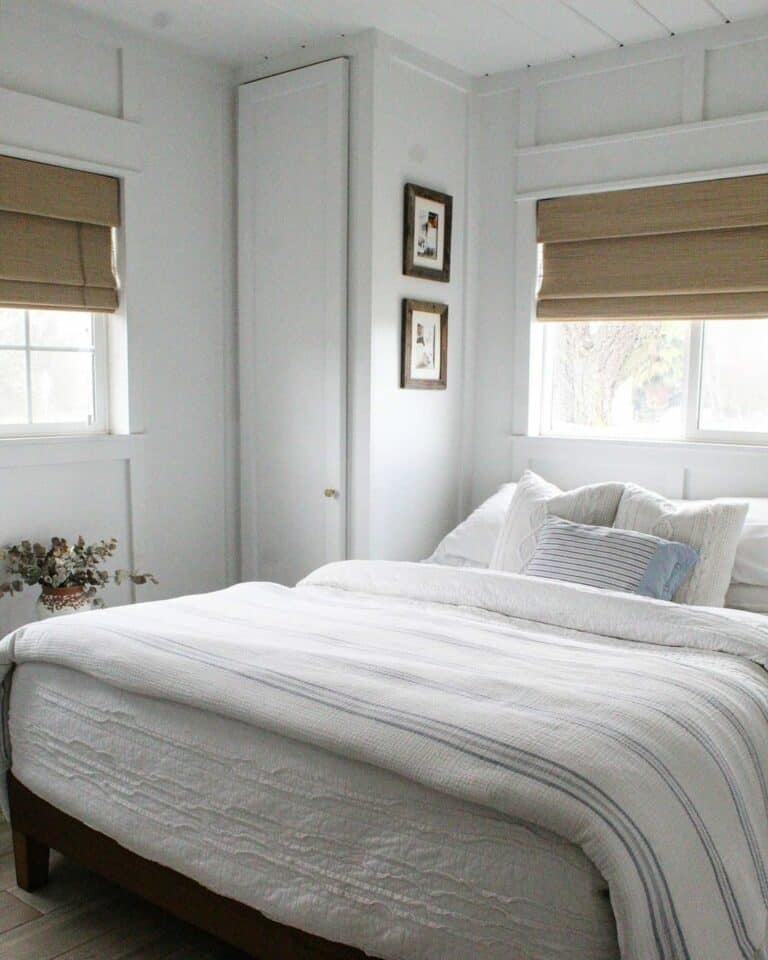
<point>21,452</point>
<point>675,469</point>
<point>37,128</point>
<point>732,146</point>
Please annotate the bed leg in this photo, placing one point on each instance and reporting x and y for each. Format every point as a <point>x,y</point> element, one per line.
<point>31,859</point>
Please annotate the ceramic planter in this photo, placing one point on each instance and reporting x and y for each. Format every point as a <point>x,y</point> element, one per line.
<point>58,601</point>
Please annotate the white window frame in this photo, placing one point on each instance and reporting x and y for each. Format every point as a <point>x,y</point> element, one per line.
<point>100,423</point>
<point>540,390</point>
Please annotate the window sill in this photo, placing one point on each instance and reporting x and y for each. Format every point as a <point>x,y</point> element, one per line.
<point>74,448</point>
<point>737,444</point>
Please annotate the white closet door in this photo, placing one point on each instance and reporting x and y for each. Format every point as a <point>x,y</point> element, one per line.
<point>292,204</point>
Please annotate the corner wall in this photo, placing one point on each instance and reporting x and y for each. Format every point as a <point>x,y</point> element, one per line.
<point>420,136</point>
<point>408,122</point>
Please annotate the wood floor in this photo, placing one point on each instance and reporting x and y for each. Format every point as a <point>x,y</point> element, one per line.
<point>79,916</point>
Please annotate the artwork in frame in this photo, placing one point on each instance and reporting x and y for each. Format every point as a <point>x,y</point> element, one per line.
<point>424,345</point>
<point>427,233</point>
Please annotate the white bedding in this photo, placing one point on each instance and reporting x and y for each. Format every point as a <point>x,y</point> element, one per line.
<point>639,738</point>
<point>348,851</point>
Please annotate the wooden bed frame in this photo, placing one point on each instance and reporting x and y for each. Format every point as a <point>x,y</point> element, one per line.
<point>38,827</point>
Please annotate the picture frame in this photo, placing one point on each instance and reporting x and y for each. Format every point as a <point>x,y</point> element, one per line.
<point>427,221</point>
<point>424,362</point>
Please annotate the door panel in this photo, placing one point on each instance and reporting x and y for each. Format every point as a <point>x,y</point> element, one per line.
<point>292,132</point>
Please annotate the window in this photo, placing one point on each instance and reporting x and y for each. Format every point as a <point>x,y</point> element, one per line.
<point>52,372</point>
<point>671,380</point>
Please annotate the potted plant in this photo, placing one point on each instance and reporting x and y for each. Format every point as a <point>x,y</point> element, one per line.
<point>69,574</point>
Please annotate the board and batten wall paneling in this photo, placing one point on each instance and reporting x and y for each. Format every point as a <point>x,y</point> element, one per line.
<point>49,59</point>
<point>736,80</point>
<point>616,101</point>
<point>172,116</point>
<point>490,308</point>
<point>42,499</point>
<point>571,128</point>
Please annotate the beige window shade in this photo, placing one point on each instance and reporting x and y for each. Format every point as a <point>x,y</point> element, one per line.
<point>687,251</point>
<point>56,229</point>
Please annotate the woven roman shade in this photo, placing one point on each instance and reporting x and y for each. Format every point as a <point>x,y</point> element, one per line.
<point>56,225</point>
<point>685,251</point>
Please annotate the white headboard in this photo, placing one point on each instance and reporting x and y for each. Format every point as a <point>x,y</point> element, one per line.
<point>676,470</point>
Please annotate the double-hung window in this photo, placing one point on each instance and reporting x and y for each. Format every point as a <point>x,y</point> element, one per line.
<point>53,372</point>
<point>57,284</point>
<point>671,380</point>
<point>656,302</point>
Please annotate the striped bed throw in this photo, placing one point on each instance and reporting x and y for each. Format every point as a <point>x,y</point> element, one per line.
<point>610,559</point>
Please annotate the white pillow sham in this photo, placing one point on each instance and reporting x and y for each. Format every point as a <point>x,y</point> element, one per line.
<point>743,596</point>
<point>711,527</point>
<point>471,543</point>
<point>751,565</point>
<point>534,500</point>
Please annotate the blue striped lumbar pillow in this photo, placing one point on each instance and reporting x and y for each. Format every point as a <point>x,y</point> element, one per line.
<point>610,559</point>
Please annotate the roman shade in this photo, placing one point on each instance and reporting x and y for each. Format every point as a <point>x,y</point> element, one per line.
<point>56,228</point>
<point>685,251</point>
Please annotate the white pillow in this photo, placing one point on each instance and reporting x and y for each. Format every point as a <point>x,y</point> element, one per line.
<point>742,596</point>
<point>711,527</point>
<point>471,543</point>
<point>534,500</point>
<point>751,564</point>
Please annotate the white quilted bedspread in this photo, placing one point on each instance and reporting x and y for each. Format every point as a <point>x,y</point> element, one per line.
<point>632,728</point>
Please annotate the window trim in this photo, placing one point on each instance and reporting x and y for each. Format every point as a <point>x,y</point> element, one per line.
<point>539,378</point>
<point>100,424</point>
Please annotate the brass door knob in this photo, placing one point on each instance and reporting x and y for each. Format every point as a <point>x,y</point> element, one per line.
<point>330,492</point>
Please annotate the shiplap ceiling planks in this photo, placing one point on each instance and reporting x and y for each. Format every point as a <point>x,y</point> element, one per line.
<point>685,15</point>
<point>624,21</point>
<point>479,36</point>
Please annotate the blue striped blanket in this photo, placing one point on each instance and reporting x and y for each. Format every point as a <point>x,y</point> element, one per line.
<point>634,728</point>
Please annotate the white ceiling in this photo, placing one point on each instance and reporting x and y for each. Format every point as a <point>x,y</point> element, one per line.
<point>479,36</point>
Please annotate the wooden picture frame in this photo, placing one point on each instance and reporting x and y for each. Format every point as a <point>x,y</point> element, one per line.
<point>424,345</point>
<point>427,220</point>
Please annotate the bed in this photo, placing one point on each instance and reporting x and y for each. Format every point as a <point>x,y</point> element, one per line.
<point>406,761</point>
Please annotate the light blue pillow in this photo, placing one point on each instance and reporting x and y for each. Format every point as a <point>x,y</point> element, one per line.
<point>611,559</point>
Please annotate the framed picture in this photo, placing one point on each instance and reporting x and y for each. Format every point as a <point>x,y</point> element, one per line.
<point>427,233</point>
<point>424,346</point>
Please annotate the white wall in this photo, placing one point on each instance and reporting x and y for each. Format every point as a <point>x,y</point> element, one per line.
<point>417,458</point>
<point>683,108</point>
<point>408,122</point>
<point>168,492</point>
<point>420,136</point>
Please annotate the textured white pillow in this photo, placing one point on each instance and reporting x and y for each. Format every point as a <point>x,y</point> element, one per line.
<point>751,563</point>
<point>534,500</point>
<point>471,543</point>
<point>711,527</point>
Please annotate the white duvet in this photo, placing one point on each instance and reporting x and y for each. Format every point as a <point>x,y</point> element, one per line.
<point>633,728</point>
